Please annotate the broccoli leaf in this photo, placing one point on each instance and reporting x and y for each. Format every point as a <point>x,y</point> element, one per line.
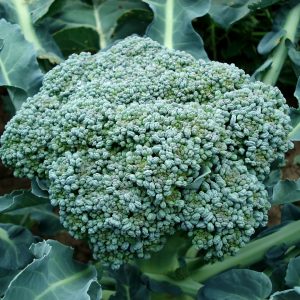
<point>19,70</point>
<point>101,16</point>
<point>292,277</point>
<point>172,25</point>
<point>248,285</point>
<point>52,275</point>
<point>26,14</point>
<point>14,246</point>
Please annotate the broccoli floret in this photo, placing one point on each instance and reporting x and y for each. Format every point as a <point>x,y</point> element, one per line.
<point>123,137</point>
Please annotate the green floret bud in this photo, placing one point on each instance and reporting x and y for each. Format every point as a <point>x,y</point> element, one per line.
<point>139,142</point>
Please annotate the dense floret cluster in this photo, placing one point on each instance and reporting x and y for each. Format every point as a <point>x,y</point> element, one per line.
<point>140,141</point>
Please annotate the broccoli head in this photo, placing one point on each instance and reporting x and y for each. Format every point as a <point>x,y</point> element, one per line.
<point>140,141</point>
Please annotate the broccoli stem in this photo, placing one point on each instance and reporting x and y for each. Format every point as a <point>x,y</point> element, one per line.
<point>251,253</point>
<point>166,260</point>
<point>280,53</point>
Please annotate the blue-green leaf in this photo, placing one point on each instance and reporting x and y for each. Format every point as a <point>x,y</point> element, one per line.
<point>297,91</point>
<point>294,135</point>
<point>20,205</point>
<point>129,284</point>
<point>172,24</point>
<point>26,14</point>
<point>286,191</point>
<point>248,285</point>
<point>270,41</point>
<point>101,16</point>
<point>292,277</point>
<point>227,12</point>
<point>19,69</point>
<point>52,275</point>
<point>291,294</point>
<point>14,246</point>
<point>195,185</point>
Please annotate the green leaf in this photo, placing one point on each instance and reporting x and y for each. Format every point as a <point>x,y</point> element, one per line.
<point>52,275</point>
<point>76,40</point>
<point>260,4</point>
<point>270,41</point>
<point>19,70</point>
<point>286,191</point>
<point>291,294</point>
<point>259,72</point>
<point>38,8</point>
<point>237,284</point>
<point>129,284</point>
<point>20,205</point>
<point>101,16</point>
<point>195,185</point>
<point>14,246</point>
<point>292,277</point>
<point>6,277</point>
<point>294,135</point>
<point>172,24</point>
<point>26,14</point>
<point>297,91</point>
<point>227,12</point>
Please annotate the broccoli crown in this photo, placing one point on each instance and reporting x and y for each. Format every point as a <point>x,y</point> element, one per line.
<point>124,137</point>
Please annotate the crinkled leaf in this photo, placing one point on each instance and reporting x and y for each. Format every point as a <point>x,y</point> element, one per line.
<point>286,191</point>
<point>259,72</point>
<point>14,246</point>
<point>297,91</point>
<point>248,285</point>
<point>260,4</point>
<point>95,291</point>
<point>294,135</point>
<point>195,185</point>
<point>52,275</point>
<point>129,284</point>
<point>172,24</point>
<point>20,205</point>
<point>6,277</point>
<point>270,41</point>
<point>39,188</point>
<point>290,212</point>
<point>26,13</point>
<point>225,12</point>
<point>38,8</point>
<point>136,22</point>
<point>291,294</point>
<point>18,65</point>
<point>102,16</point>
<point>76,40</point>
<point>292,277</point>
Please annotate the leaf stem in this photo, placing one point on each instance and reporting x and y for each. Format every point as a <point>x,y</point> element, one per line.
<point>279,55</point>
<point>251,253</point>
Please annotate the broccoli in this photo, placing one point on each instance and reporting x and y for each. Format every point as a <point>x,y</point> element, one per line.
<point>139,142</point>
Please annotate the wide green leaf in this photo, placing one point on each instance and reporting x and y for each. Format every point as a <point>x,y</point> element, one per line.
<point>21,205</point>
<point>52,275</point>
<point>286,191</point>
<point>294,135</point>
<point>227,12</point>
<point>26,14</point>
<point>19,70</point>
<point>101,16</point>
<point>5,278</point>
<point>14,247</point>
<point>129,284</point>
<point>248,285</point>
<point>172,24</point>
<point>292,277</point>
<point>270,41</point>
<point>291,294</point>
